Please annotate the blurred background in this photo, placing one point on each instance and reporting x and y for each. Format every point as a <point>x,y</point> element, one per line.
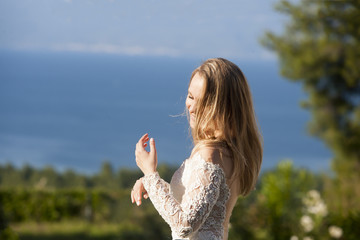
<point>81,81</point>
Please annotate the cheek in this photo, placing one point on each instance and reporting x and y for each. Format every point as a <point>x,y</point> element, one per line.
<point>187,103</point>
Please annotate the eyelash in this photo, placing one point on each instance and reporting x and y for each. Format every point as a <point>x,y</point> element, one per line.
<point>190,97</point>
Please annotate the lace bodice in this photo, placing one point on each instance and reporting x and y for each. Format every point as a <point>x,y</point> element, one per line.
<point>194,203</point>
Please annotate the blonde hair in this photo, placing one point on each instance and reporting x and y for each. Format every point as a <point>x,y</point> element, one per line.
<point>225,119</point>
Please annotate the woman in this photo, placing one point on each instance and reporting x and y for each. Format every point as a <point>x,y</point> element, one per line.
<point>224,163</point>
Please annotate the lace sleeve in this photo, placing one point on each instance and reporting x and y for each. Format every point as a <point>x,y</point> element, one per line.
<point>197,203</point>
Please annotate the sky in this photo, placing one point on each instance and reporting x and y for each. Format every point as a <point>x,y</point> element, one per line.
<point>178,29</point>
<point>186,28</point>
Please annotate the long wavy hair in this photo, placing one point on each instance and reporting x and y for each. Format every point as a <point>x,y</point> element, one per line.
<point>225,119</point>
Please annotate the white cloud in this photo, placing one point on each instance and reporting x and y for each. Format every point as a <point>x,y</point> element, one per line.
<point>229,30</point>
<point>250,54</point>
<point>115,49</point>
<point>135,50</point>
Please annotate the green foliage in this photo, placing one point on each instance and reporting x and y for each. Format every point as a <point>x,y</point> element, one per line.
<point>47,178</point>
<point>74,230</point>
<point>273,210</point>
<point>22,205</point>
<point>320,48</point>
<point>350,224</point>
<point>280,195</point>
<point>93,206</point>
<point>342,192</point>
<point>127,177</point>
<point>8,234</point>
<point>244,215</point>
<point>5,231</point>
<point>45,195</point>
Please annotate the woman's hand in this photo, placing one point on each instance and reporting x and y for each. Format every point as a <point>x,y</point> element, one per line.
<point>137,192</point>
<point>146,161</point>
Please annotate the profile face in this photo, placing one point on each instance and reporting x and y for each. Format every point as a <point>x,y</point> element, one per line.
<point>195,92</point>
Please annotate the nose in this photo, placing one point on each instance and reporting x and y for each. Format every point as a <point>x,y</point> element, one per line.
<point>191,108</point>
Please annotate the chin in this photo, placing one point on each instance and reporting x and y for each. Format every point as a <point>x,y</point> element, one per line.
<point>192,125</point>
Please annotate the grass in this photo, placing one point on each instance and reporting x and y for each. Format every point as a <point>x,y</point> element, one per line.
<point>72,230</point>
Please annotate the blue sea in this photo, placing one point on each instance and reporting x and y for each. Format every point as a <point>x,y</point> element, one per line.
<point>76,110</point>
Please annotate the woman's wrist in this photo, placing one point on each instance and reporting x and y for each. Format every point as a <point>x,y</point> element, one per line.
<point>150,173</point>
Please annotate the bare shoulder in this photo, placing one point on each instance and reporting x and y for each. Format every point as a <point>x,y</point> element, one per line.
<point>210,154</point>
<point>217,156</point>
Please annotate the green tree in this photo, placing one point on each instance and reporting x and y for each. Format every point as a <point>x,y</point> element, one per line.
<point>26,172</point>
<point>73,180</point>
<point>49,178</point>
<point>127,177</point>
<point>320,48</point>
<point>10,177</point>
<point>106,176</point>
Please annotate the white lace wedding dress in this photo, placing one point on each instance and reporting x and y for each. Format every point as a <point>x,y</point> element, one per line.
<point>194,203</point>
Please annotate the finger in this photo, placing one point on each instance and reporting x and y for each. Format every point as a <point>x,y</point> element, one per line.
<point>132,196</point>
<point>143,137</point>
<point>137,196</point>
<point>146,195</point>
<point>152,147</point>
<point>144,143</point>
<point>138,199</point>
<point>141,140</point>
<point>141,144</point>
